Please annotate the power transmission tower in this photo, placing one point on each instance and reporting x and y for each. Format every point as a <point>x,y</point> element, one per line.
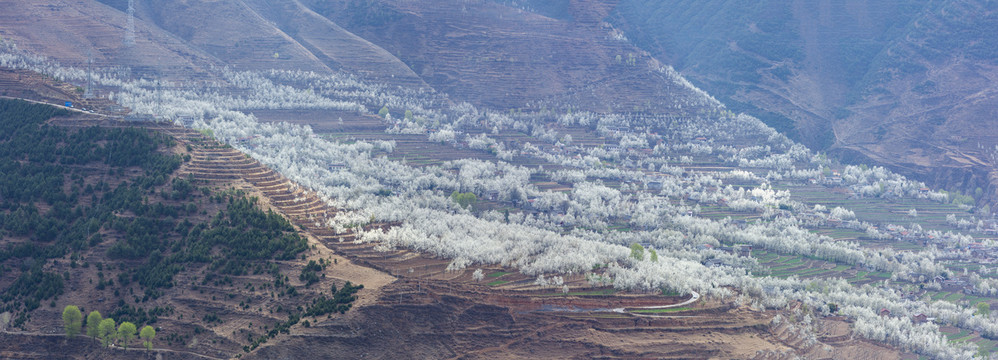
<point>88,93</point>
<point>159,98</point>
<point>130,25</point>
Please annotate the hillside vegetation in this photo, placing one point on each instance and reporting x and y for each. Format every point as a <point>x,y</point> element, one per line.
<point>99,217</point>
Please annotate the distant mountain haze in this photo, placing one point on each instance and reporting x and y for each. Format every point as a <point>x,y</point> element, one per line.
<point>908,84</point>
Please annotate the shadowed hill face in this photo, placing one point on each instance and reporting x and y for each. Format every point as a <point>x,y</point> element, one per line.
<point>770,57</point>
<point>902,83</point>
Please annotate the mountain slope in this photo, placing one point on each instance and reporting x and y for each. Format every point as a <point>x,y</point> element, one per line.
<point>504,57</point>
<point>907,84</point>
<point>260,35</point>
<point>487,53</point>
<point>68,31</point>
<point>183,40</point>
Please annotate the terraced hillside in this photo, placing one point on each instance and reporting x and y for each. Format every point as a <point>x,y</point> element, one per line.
<point>451,313</point>
<point>446,312</point>
<point>142,235</point>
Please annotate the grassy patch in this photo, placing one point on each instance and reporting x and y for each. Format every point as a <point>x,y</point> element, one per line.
<point>953,337</point>
<point>985,346</point>
<point>937,295</point>
<point>843,234</point>
<point>497,283</point>
<point>763,256</point>
<point>963,338</point>
<point>953,297</point>
<point>860,277</point>
<point>497,274</point>
<point>881,274</point>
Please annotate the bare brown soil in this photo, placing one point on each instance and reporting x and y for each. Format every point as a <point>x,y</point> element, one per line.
<point>32,86</point>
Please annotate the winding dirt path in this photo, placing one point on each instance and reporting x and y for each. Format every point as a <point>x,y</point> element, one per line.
<point>694,297</point>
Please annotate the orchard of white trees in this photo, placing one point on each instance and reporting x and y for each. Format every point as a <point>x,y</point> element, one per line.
<point>570,232</point>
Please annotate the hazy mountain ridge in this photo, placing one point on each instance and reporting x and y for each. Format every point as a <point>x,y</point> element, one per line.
<point>907,84</point>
